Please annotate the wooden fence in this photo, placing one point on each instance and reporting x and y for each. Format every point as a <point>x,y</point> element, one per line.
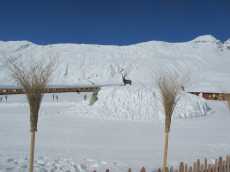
<point>219,166</point>
<point>6,91</point>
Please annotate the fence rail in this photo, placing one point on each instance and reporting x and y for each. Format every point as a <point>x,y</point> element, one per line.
<point>219,166</point>
<point>6,91</point>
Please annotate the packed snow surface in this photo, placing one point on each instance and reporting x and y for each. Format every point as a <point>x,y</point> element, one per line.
<point>123,129</point>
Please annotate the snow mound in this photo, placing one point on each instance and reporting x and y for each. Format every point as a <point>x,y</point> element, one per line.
<point>138,104</point>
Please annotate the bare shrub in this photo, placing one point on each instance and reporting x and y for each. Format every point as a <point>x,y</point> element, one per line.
<point>33,76</point>
<point>170,85</point>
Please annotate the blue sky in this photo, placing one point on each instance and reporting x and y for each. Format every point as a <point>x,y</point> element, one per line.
<point>113,22</point>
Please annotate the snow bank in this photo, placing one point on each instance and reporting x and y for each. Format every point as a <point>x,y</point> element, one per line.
<point>138,104</point>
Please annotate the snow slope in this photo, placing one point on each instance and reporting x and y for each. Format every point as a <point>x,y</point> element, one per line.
<point>205,57</point>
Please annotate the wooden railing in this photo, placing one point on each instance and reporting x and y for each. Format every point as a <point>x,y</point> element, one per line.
<point>6,91</point>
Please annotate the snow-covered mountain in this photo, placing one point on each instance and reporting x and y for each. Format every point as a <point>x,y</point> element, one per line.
<point>84,63</point>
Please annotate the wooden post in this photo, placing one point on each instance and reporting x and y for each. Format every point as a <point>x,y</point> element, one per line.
<point>143,169</point>
<point>216,165</point>
<point>209,168</point>
<point>107,170</point>
<point>227,163</point>
<point>213,167</point>
<point>224,166</point>
<point>198,166</point>
<point>166,150</point>
<point>194,167</point>
<point>202,168</point>
<point>167,170</point>
<point>190,169</point>
<point>171,169</point>
<point>205,165</point>
<point>220,164</point>
<point>159,170</point>
<point>181,168</point>
<point>185,168</point>
<point>32,151</point>
<point>129,170</point>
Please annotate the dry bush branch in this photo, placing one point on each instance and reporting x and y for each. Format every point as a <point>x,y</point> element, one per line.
<point>169,85</point>
<point>34,76</point>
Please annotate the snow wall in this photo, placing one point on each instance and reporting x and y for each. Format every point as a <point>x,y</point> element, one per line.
<point>138,104</point>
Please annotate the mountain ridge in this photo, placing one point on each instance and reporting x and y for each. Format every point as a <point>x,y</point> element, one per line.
<point>203,38</point>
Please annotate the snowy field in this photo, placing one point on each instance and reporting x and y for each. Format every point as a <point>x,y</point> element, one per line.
<point>123,129</point>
